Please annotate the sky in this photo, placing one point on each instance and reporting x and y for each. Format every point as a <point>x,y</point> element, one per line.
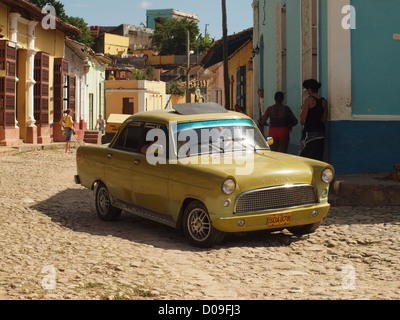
<point>209,12</point>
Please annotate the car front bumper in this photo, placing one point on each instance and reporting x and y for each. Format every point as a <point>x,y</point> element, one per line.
<point>260,221</point>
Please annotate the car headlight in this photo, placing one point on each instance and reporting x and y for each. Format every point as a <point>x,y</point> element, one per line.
<point>327,175</point>
<point>228,186</point>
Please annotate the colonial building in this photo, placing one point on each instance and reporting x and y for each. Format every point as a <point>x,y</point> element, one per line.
<point>139,37</point>
<point>88,73</point>
<point>133,96</point>
<point>240,67</point>
<point>352,48</point>
<point>32,73</point>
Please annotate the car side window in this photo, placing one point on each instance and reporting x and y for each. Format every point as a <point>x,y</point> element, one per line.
<point>135,136</point>
<point>120,143</point>
<point>131,137</point>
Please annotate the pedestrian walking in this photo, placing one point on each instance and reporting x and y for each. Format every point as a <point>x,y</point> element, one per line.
<point>314,115</point>
<point>282,120</point>
<point>101,124</point>
<point>68,125</point>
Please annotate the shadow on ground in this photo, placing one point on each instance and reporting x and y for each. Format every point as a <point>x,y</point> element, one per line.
<point>75,210</point>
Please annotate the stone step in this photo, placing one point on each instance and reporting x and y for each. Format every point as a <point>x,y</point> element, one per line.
<point>91,136</point>
<point>366,189</point>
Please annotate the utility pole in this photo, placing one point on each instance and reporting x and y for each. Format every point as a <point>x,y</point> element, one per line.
<point>188,98</point>
<point>225,56</point>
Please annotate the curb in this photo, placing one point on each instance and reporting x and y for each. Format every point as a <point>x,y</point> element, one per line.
<point>364,190</point>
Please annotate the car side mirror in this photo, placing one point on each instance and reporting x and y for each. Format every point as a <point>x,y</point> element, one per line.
<point>270,141</point>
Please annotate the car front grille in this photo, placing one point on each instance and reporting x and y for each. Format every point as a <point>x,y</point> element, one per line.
<point>276,198</point>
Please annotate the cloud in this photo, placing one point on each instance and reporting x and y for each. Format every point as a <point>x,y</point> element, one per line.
<point>145,4</point>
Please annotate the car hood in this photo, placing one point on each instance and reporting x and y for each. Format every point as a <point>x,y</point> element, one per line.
<point>264,169</point>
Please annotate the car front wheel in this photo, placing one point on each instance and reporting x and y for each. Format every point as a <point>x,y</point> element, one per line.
<point>105,210</point>
<point>198,228</point>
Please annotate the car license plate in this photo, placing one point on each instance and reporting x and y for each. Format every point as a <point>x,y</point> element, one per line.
<point>279,219</point>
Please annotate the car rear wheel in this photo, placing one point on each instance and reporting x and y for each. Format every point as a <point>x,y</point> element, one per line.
<point>105,210</point>
<point>198,228</point>
<point>307,229</point>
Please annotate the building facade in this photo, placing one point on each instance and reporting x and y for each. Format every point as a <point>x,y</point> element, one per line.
<point>32,73</point>
<point>155,16</point>
<point>350,46</point>
<point>88,72</point>
<point>133,96</point>
<point>111,44</point>
<point>240,68</point>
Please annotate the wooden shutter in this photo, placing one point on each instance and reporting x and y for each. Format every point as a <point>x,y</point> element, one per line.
<point>60,72</point>
<point>8,74</point>
<point>41,90</point>
<point>127,106</point>
<point>72,95</point>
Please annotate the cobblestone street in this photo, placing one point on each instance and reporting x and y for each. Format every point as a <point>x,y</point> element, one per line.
<point>53,246</point>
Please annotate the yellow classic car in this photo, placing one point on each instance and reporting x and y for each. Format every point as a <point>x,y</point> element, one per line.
<point>206,171</point>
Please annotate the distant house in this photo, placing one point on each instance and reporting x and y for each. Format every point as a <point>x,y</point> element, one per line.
<point>88,71</point>
<point>240,64</point>
<point>352,48</point>
<point>111,44</point>
<point>33,74</point>
<point>155,16</point>
<point>133,96</point>
<point>139,37</point>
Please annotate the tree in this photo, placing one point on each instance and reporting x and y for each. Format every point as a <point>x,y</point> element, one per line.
<point>170,37</point>
<point>205,43</point>
<point>60,11</point>
<point>85,38</point>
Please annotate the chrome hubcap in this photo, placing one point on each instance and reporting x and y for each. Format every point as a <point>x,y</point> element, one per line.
<point>103,201</point>
<point>199,225</point>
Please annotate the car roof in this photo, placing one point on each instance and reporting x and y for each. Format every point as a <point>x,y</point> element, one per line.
<point>167,116</point>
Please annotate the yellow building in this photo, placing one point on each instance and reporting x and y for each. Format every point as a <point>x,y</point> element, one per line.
<point>241,77</point>
<point>33,72</point>
<point>112,44</point>
<point>133,96</point>
<point>240,67</point>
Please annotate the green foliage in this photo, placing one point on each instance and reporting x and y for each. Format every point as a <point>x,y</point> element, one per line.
<point>170,36</point>
<point>139,75</point>
<point>205,43</point>
<point>175,88</point>
<point>85,37</point>
<point>60,11</point>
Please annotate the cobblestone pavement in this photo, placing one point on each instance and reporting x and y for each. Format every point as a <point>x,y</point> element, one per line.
<point>52,246</point>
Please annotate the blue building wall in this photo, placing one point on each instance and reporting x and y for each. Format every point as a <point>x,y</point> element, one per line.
<point>375,58</point>
<point>151,15</point>
<point>364,146</point>
<point>268,57</point>
<point>371,145</point>
<point>368,139</point>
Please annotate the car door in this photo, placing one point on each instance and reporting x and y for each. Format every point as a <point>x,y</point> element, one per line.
<point>150,181</point>
<point>119,161</point>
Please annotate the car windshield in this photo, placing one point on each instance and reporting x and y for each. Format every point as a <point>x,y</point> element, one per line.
<point>217,137</point>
